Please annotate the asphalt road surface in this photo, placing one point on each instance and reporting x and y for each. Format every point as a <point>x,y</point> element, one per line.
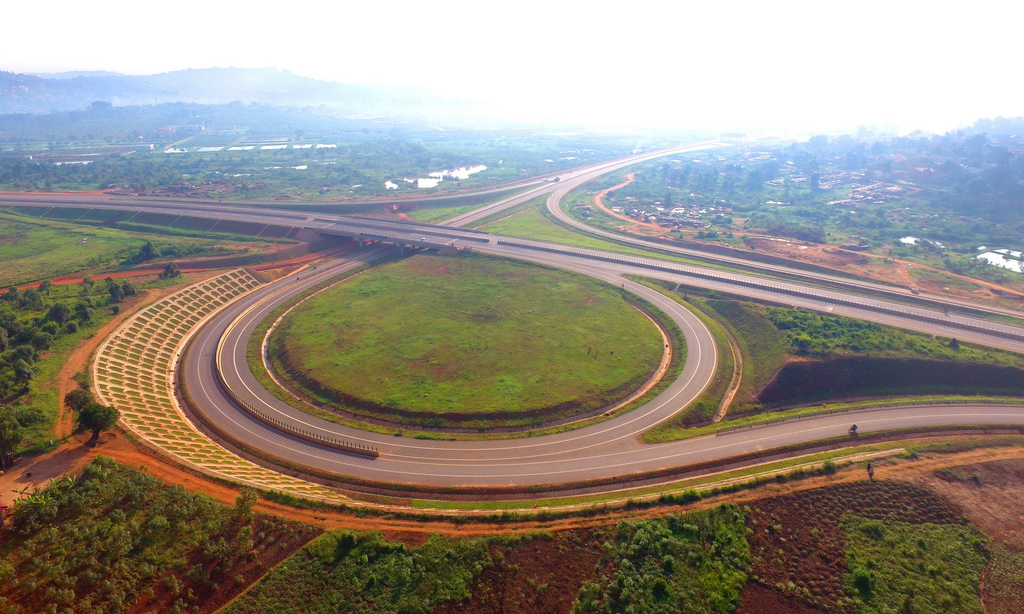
<point>606,450</point>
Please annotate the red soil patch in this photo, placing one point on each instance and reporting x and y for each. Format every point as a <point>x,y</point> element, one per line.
<point>411,539</point>
<point>809,252</point>
<point>202,265</point>
<point>541,575</point>
<point>301,260</point>
<point>990,494</point>
<point>883,268</point>
<point>232,577</point>
<point>588,299</point>
<point>631,225</point>
<point>433,267</point>
<point>757,599</point>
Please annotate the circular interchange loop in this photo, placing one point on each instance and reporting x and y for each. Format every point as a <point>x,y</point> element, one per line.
<point>540,348</point>
<point>607,453</point>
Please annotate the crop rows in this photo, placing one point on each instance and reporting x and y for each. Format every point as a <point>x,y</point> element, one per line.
<point>134,371</point>
<point>797,544</point>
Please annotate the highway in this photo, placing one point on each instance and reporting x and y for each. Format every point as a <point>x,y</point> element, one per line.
<point>605,450</point>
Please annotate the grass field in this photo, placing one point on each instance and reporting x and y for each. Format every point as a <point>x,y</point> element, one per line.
<point>531,223</point>
<point>901,567</point>
<point>436,215</point>
<point>32,249</point>
<point>471,340</point>
<point>763,346</point>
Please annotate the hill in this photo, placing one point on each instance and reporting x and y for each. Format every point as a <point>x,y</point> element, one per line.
<point>22,93</point>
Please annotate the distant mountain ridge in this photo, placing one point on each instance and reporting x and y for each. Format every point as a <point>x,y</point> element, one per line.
<point>76,73</point>
<point>24,93</point>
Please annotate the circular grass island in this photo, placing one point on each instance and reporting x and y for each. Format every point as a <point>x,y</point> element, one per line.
<point>467,342</point>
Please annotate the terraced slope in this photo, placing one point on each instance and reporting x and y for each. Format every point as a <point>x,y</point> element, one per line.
<point>134,371</point>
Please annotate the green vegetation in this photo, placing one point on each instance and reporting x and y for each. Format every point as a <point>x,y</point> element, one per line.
<point>344,571</point>
<point>900,567</point>
<point>690,563</point>
<point>532,223</point>
<point>801,547</point>
<point>117,540</point>
<point>952,192</point>
<point>822,336</point>
<point>253,352</point>
<point>436,215</point>
<point>33,249</point>
<point>1004,578</point>
<point>37,331</point>
<point>852,359</point>
<point>703,408</point>
<point>761,344</point>
<point>97,418</point>
<point>762,352</point>
<point>517,344</point>
<point>324,158</point>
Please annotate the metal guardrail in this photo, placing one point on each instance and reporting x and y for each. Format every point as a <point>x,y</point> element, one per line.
<point>778,419</point>
<point>317,438</point>
<point>828,412</point>
<point>768,286</point>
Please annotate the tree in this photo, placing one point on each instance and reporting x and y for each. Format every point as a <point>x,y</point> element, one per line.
<point>3,339</point>
<point>77,399</point>
<point>953,343</point>
<point>24,352</point>
<point>11,295</point>
<point>245,502</point>
<point>146,252</point>
<point>23,372</point>
<point>170,271</point>
<point>116,293</point>
<point>11,434</point>
<point>31,299</point>
<point>42,340</point>
<point>59,313</point>
<point>97,418</point>
<point>128,288</point>
<point>83,312</point>
<point>45,286</point>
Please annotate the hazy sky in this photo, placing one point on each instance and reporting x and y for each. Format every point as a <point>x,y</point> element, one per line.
<point>743,65</point>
